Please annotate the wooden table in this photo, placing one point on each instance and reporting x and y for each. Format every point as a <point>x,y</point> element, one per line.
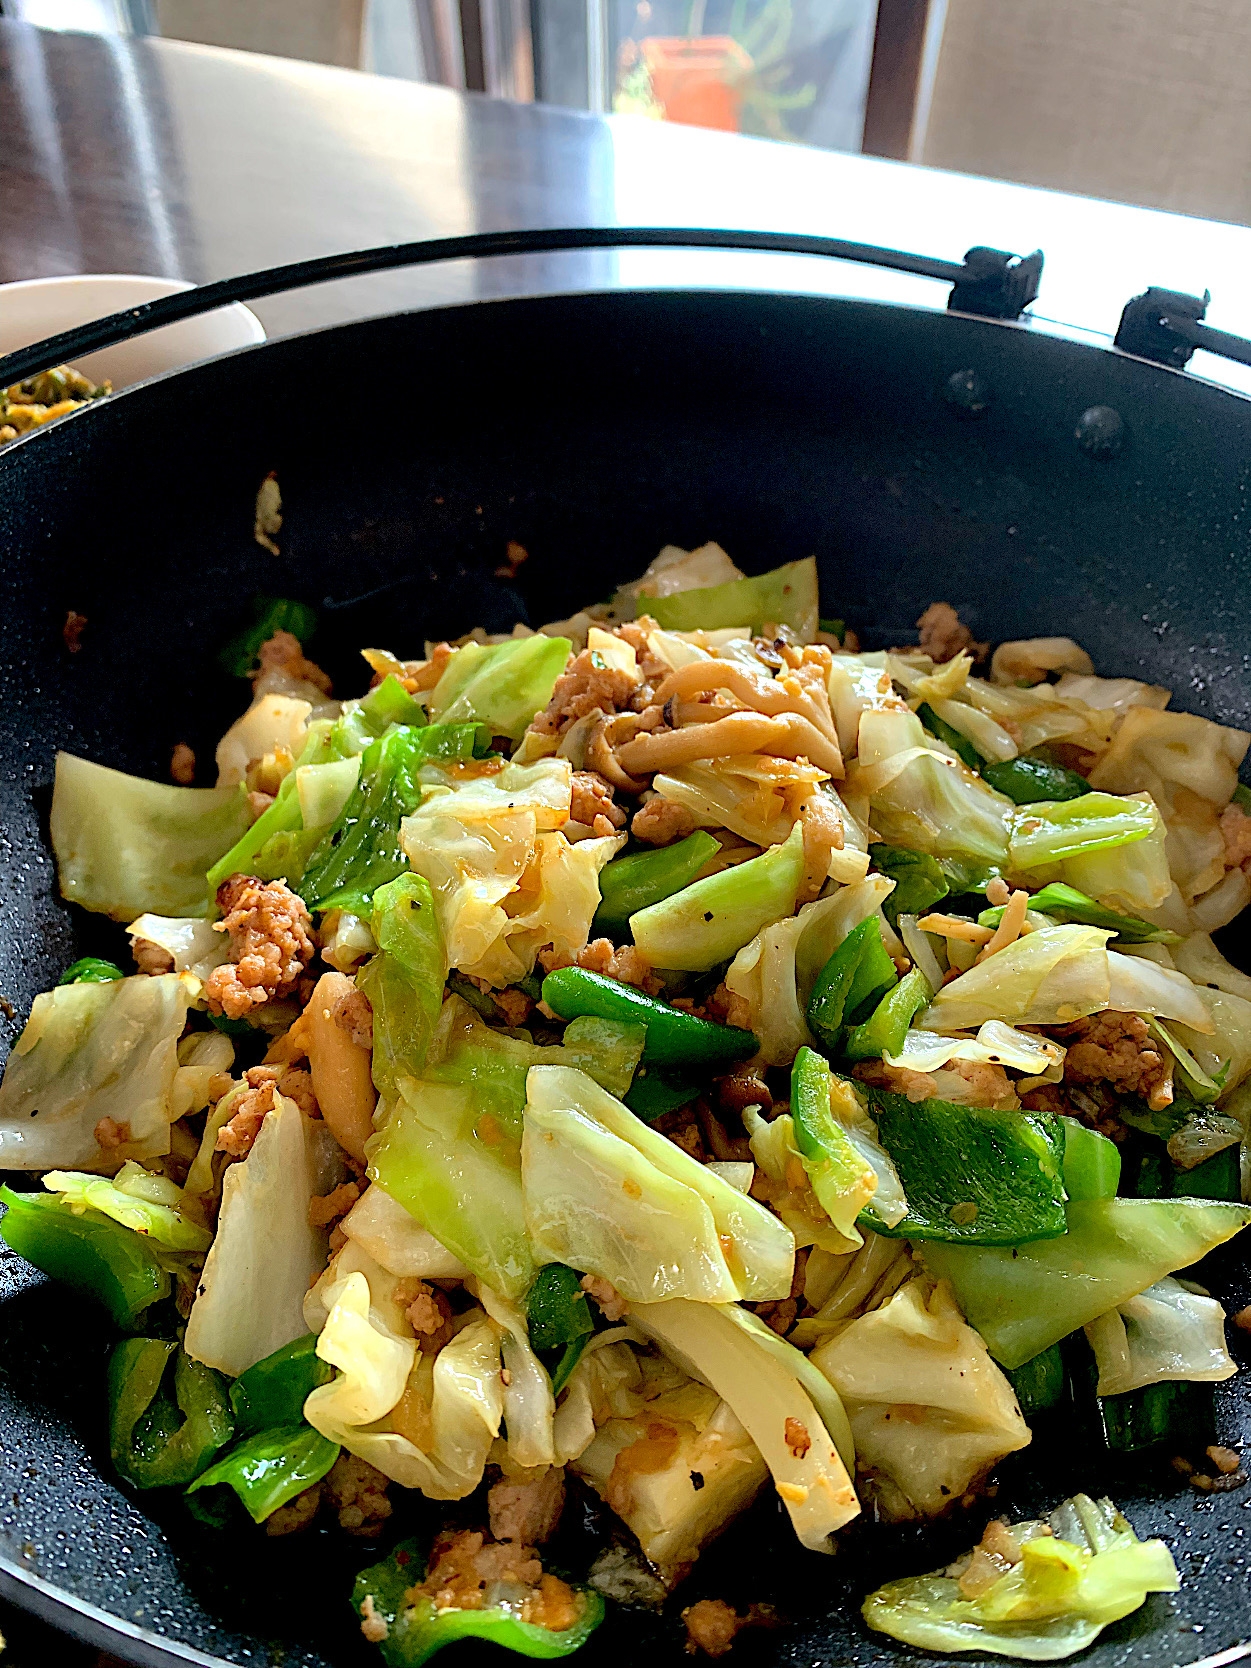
<point>159,157</point>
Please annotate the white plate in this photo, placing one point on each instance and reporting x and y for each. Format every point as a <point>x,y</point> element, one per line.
<point>39,307</point>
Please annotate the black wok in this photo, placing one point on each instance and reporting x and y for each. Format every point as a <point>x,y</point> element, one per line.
<point>592,430</point>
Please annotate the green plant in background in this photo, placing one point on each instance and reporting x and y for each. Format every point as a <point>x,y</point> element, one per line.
<point>765,40</point>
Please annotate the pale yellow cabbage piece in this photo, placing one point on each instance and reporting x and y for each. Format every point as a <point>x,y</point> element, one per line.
<point>273,724</point>
<point>929,1409</point>
<point>396,1240</point>
<point>1166,1332</point>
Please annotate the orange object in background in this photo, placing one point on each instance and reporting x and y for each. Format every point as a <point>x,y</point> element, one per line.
<point>699,82</point>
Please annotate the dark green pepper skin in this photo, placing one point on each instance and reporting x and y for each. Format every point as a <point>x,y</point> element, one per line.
<point>270,614</point>
<point>1065,903</point>
<point>655,1093</point>
<point>919,880</point>
<point>629,884</point>
<point>557,1315</point>
<point>674,1038</point>
<point>960,745</point>
<point>91,970</point>
<point>415,1631</point>
<point>90,1253</point>
<point>273,1392</point>
<point>1030,778</point>
<point>1039,1382</point>
<point>269,1469</point>
<point>158,1440</point>
<point>851,983</point>
<point>884,1031</point>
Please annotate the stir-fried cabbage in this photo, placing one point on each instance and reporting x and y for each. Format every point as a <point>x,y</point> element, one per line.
<point>1069,828</point>
<point>789,1189</point>
<point>775,973</point>
<point>396,1241</point>
<point>1079,1570</point>
<point>859,684</point>
<point>1190,768</point>
<point>929,1409</point>
<point>126,847</point>
<point>148,1204</point>
<point>785,596</point>
<point>774,1407</point>
<point>755,796</point>
<point>1166,1332</point>
<point>427,1422</point>
<point>674,570</point>
<point>1131,877</point>
<point>607,1194</point>
<point>250,1300</point>
<point>1203,964</point>
<point>995,1042</point>
<point>1223,1052</point>
<point>482,843</point>
<point>91,1052</point>
<point>502,686</point>
<point>193,943</point>
<point>273,726</point>
<point>1029,659</point>
<point>849,1284</point>
<point>921,797</point>
<point>529,1405</point>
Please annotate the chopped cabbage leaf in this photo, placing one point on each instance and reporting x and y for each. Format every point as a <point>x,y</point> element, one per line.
<point>1166,1332</point>
<point>997,1043</point>
<point>396,1240</point>
<point>126,847</point>
<point>674,570</point>
<point>273,726</point>
<point>427,1422</point>
<point>251,1293</point>
<point>149,1204</point>
<point>775,973</point>
<point>962,1416</point>
<point>404,981</point>
<point>529,1405</point>
<point>766,1395</point>
<point>1203,964</point>
<point>784,596</point>
<point>1223,1053</point>
<point>1023,1299</point>
<point>88,1052</point>
<point>825,1398</point>
<point>1189,766</point>
<point>608,1195</point>
<point>193,943</point>
<point>1068,828</point>
<point>1134,876</point>
<point>708,921</point>
<point>1049,977</point>
<point>754,795</point>
<point>923,798</point>
<point>784,1182</point>
<point>502,686</point>
<point>849,1284</point>
<point>1081,1569</point>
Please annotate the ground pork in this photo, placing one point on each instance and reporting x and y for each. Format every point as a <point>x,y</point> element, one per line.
<point>1095,1104</point>
<point>662,821</point>
<point>797,1437</point>
<point>297,1514</point>
<point>900,1080</point>
<point>72,630</point>
<point>711,1626</point>
<point>463,1563</point>
<point>592,803</point>
<point>429,1313</point>
<point>353,1014</point>
<point>944,635</point>
<point>626,964</point>
<point>1117,1049</point>
<point>1236,832</point>
<point>584,687</point>
<point>329,1207</point>
<point>258,804</point>
<point>612,1305</point>
<point>270,945</point>
<point>969,1082</point>
<point>358,1492</point>
<point>527,1510</point>
<point>182,765</point>
<point>682,1128</point>
<point>514,1005</point>
<point>257,1101</point>
<point>151,958</point>
<point>373,1626</point>
<point>110,1134</point>
<point>282,652</point>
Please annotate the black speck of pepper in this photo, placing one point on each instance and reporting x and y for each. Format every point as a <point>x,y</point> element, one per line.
<point>707,915</point>
<point>697,1480</point>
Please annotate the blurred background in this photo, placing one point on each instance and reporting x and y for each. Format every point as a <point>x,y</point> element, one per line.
<point>1140,101</point>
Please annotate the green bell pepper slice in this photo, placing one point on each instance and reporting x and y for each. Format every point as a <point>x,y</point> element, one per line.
<point>674,1038</point>
<point>960,745</point>
<point>272,1392</point>
<point>90,970</point>
<point>557,1315</point>
<point>851,983</point>
<point>159,1440</point>
<point>1092,1164</point>
<point>416,1630</point>
<point>655,1093</point>
<point>884,1031</point>
<point>269,614</point>
<point>1030,777</point>
<point>86,1251</point>
<point>629,884</point>
<point>1039,1382</point>
<point>269,1469</point>
<point>920,880</point>
<point>1066,904</point>
<point>835,1169</point>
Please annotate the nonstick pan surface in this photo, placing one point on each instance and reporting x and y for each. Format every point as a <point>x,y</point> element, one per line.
<point>922,456</point>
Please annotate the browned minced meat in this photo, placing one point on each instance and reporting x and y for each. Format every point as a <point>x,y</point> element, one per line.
<point>797,1437</point>
<point>1242,1320</point>
<point>257,1101</point>
<point>182,765</point>
<point>329,1207</point>
<point>515,1006</point>
<point>72,630</point>
<point>258,804</point>
<point>711,1626</point>
<point>373,1626</point>
<point>1117,1049</point>
<point>429,1313</point>
<point>527,1510</point>
<point>990,1084</point>
<point>1236,832</point>
<point>270,945</point>
<point>297,1514</point>
<point>662,821</point>
<point>358,1492</point>
<point>514,555</point>
<point>109,1134</point>
<point>283,650</point>
<point>354,1014</point>
<point>1096,1104</point>
<point>636,634</point>
<point>944,634</point>
<point>151,958</point>
<point>601,955</point>
<point>464,1565</point>
<point>592,803</point>
<point>612,1305</point>
<point>584,687</point>
<point>682,1128</point>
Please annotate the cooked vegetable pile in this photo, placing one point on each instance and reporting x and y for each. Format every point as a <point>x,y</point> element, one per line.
<point>28,405</point>
<point>674,1055</point>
